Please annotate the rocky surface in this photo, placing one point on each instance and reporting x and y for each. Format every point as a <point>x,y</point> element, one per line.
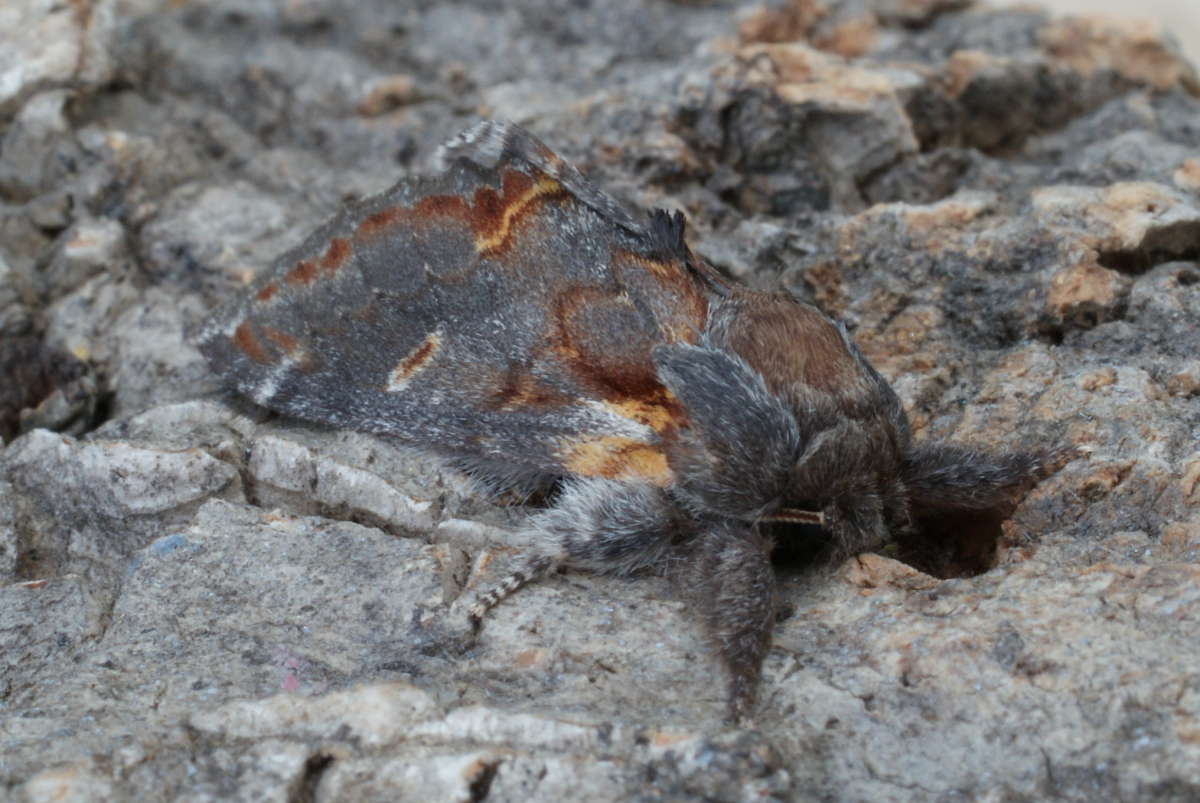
<point>200,601</point>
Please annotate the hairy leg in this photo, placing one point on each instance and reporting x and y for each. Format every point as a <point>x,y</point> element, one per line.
<point>727,576</point>
<point>598,525</point>
<point>943,477</point>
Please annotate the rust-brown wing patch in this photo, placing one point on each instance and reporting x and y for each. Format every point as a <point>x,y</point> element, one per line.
<point>491,216</point>
<point>245,341</point>
<point>303,273</point>
<point>335,255</point>
<point>660,411</point>
<point>282,340</point>
<point>495,230</point>
<point>624,458</point>
<point>518,389</point>
<point>675,299</point>
<point>791,343</point>
<point>604,339</point>
<point>307,271</point>
<point>266,345</point>
<point>266,292</point>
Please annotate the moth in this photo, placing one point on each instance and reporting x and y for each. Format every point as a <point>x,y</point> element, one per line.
<point>509,315</point>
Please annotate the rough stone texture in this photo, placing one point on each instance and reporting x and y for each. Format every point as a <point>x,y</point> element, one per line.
<point>200,601</point>
<point>48,44</point>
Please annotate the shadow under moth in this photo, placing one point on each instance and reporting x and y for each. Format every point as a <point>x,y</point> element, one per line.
<point>509,315</point>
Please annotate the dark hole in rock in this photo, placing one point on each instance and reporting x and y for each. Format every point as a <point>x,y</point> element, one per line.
<point>31,565</point>
<point>315,767</point>
<point>948,545</point>
<point>1175,242</point>
<point>945,545</point>
<point>481,785</point>
<point>34,373</point>
<point>41,553</point>
<point>1086,318</point>
<point>1051,331</point>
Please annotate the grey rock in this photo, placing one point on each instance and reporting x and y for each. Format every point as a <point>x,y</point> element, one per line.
<point>47,45</point>
<point>8,534</point>
<point>252,221</point>
<point>16,293</point>
<point>90,247</point>
<point>201,601</point>
<point>296,471</point>
<point>42,620</point>
<point>86,507</point>
<point>153,362</point>
<point>80,321</point>
<point>32,143</point>
<point>70,408</point>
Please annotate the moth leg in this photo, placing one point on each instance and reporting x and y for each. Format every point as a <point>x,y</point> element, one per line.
<point>596,525</point>
<point>728,578</point>
<point>535,568</point>
<point>943,477</point>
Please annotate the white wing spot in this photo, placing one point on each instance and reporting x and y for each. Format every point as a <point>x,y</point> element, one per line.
<point>268,386</point>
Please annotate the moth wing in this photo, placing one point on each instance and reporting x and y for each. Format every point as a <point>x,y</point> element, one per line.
<point>503,311</point>
<point>490,144</point>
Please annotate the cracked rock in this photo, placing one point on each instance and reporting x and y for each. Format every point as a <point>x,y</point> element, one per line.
<point>202,600</point>
<point>47,45</point>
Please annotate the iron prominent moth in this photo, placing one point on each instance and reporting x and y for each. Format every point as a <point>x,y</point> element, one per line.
<point>509,315</point>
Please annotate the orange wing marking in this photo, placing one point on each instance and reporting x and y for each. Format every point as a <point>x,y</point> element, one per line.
<point>616,458</point>
<point>491,216</point>
<point>414,362</point>
<point>661,412</point>
<point>512,210</point>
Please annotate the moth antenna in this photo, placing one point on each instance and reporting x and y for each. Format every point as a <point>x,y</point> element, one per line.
<point>791,516</point>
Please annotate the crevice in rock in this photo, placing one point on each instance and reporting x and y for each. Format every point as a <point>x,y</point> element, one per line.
<point>250,492</point>
<point>481,784</point>
<point>1051,333</point>
<point>1053,329</point>
<point>945,545</point>
<point>364,518</point>
<point>924,21</point>
<point>47,388</point>
<point>922,178</point>
<point>950,545</point>
<point>1176,242</point>
<point>41,552</point>
<point>864,184</point>
<point>314,769</point>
